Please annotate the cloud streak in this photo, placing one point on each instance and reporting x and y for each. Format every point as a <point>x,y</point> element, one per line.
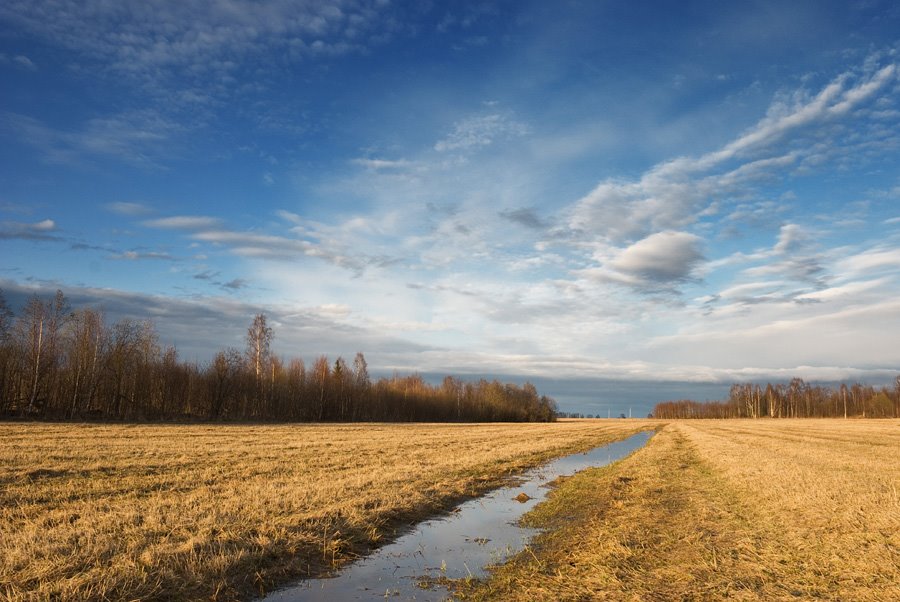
<point>128,208</point>
<point>259,246</point>
<point>141,138</point>
<point>39,231</point>
<point>480,131</point>
<point>675,193</point>
<point>185,222</point>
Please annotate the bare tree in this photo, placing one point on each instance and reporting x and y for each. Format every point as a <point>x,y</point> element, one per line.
<point>38,329</point>
<point>7,354</point>
<point>259,341</point>
<point>146,397</point>
<point>226,369</point>
<point>361,371</point>
<point>844,397</point>
<point>361,384</point>
<point>296,389</point>
<point>121,363</point>
<point>897,399</point>
<point>321,376</point>
<point>6,318</point>
<point>85,342</point>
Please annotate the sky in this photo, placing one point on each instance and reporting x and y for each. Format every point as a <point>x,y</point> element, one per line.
<point>693,193</point>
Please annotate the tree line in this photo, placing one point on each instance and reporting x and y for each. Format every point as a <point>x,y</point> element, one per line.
<point>796,399</point>
<point>60,364</point>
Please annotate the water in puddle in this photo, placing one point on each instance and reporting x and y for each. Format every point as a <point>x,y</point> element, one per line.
<point>477,533</point>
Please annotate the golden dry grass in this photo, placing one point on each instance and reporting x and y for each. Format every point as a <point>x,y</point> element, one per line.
<point>224,512</point>
<point>743,510</point>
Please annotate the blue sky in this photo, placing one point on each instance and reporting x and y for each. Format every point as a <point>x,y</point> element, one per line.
<point>646,191</point>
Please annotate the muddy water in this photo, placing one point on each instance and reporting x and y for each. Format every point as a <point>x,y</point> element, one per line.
<point>477,533</point>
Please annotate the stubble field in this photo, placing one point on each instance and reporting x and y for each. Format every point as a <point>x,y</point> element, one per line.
<point>714,510</point>
<point>119,512</point>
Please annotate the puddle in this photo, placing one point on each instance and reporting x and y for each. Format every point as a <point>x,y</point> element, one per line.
<point>462,543</point>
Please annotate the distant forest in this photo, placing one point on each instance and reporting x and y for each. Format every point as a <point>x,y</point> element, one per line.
<point>796,399</point>
<point>59,364</point>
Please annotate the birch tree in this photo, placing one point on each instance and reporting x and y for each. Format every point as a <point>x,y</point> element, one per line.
<point>85,344</point>
<point>259,342</point>
<point>38,330</point>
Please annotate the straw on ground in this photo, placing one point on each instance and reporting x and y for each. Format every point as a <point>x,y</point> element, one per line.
<point>711,510</point>
<point>224,512</point>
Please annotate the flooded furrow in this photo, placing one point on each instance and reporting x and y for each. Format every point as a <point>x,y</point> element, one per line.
<point>460,544</point>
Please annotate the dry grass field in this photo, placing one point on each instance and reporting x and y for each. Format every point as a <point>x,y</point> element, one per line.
<point>711,510</point>
<point>225,512</point>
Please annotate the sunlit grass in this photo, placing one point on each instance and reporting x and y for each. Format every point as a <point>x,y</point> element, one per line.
<point>223,512</point>
<point>745,510</point>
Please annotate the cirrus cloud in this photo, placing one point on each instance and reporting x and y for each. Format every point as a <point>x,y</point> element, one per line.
<point>676,193</point>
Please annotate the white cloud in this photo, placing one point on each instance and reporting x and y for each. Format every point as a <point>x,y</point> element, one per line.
<point>210,42</point>
<point>259,245</point>
<point>139,255</point>
<point>793,257</point>
<point>381,163</point>
<point>142,138</point>
<point>19,60</point>
<point>24,62</point>
<point>755,214</point>
<point>481,130</point>
<point>128,208</point>
<point>791,239</point>
<point>849,291</point>
<point>657,262</point>
<point>855,332</point>
<point>524,216</point>
<point>235,284</point>
<point>752,290</point>
<point>37,231</point>
<point>184,222</point>
<point>44,225</point>
<point>673,194</point>
<point>868,261</point>
<point>464,264</point>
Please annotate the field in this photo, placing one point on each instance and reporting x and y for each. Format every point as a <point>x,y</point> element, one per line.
<point>711,510</point>
<point>122,512</point>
